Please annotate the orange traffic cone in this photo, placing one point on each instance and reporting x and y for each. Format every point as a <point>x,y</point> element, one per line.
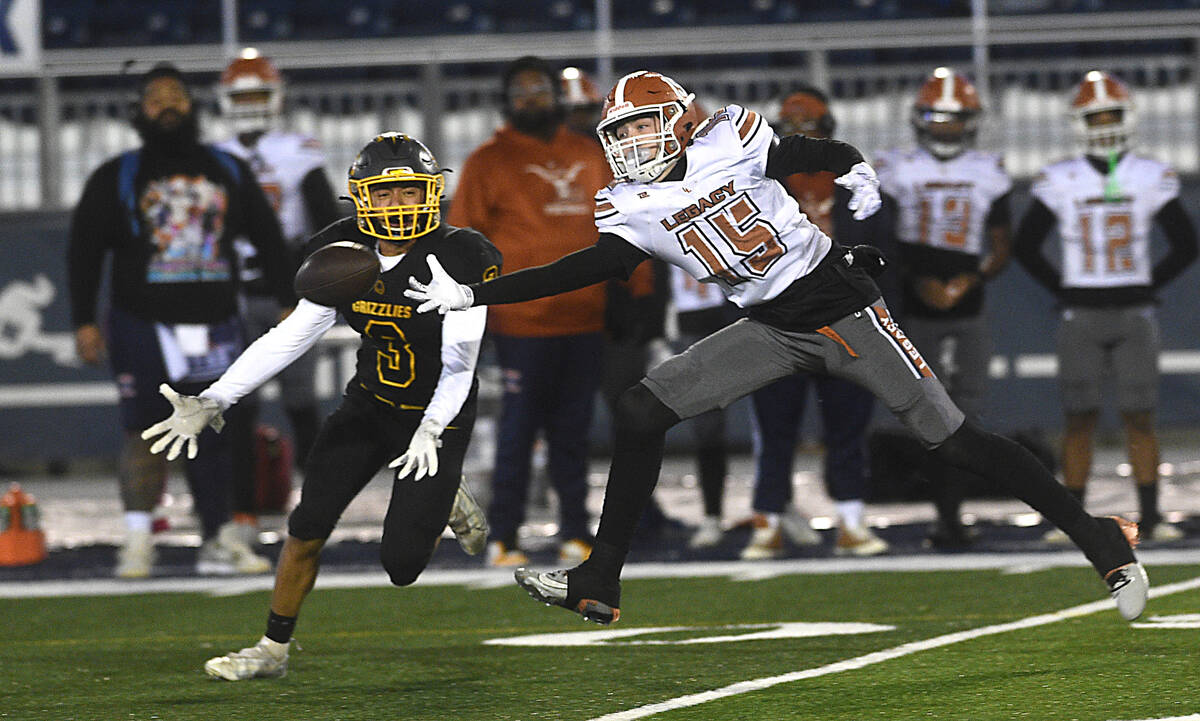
<point>22,541</point>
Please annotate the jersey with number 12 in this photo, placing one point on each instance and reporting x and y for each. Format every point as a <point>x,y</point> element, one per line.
<point>1104,222</point>
<point>725,222</point>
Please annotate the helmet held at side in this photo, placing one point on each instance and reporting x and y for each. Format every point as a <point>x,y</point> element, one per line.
<point>646,157</point>
<point>1103,114</point>
<point>945,114</point>
<point>250,93</point>
<point>395,159</point>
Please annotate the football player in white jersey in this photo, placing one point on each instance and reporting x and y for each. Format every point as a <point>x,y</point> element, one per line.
<point>704,194</point>
<point>953,228</point>
<point>290,167</point>
<point>1104,204</point>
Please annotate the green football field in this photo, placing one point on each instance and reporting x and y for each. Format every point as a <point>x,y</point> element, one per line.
<point>978,645</point>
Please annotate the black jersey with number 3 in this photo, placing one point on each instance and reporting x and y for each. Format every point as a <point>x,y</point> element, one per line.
<point>400,359</point>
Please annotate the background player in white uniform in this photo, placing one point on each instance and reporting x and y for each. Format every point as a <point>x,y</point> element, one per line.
<point>1104,205</point>
<point>952,224</point>
<point>290,167</point>
<point>704,195</point>
<point>701,309</point>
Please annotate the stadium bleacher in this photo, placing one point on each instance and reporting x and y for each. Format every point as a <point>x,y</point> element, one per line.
<point>86,23</point>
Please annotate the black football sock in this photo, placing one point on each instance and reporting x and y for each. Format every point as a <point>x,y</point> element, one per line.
<point>1079,493</point>
<point>1147,494</point>
<point>641,425</point>
<point>712,466</point>
<point>279,628</point>
<point>1013,468</point>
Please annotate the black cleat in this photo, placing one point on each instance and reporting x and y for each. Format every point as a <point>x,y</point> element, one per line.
<point>553,589</point>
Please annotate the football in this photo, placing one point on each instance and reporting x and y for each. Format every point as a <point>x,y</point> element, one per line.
<point>337,273</point>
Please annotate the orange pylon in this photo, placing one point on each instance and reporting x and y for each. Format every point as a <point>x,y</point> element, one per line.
<point>22,541</point>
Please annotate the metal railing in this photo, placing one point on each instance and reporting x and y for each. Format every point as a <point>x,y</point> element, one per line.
<point>51,139</point>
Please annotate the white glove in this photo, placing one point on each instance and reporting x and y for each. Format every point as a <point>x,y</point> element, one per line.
<point>421,455</point>
<point>189,416</point>
<point>864,187</point>
<point>443,292</point>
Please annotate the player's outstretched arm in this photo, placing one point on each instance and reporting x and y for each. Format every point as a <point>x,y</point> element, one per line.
<point>594,264</point>
<point>189,416</point>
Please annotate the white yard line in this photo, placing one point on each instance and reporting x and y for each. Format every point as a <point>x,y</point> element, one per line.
<point>484,578</point>
<point>885,655</point>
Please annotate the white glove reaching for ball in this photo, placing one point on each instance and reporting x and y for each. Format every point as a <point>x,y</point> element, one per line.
<point>864,188</point>
<point>421,455</point>
<point>442,293</point>
<point>189,416</point>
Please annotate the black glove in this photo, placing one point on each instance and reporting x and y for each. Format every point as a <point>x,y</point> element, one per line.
<point>869,258</point>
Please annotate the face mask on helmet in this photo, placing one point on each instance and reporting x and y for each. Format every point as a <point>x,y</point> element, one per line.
<point>1102,114</point>
<point>946,114</point>
<point>648,122</point>
<point>251,93</point>
<point>385,168</point>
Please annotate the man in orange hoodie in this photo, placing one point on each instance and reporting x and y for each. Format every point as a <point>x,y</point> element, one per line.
<point>530,189</point>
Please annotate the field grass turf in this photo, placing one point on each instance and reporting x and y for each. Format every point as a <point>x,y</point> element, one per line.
<point>418,653</point>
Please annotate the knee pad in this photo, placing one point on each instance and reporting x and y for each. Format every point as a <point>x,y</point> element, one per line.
<point>309,525</point>
<point>405,564</point>
<point>964,447</point>
<point>640,411</point>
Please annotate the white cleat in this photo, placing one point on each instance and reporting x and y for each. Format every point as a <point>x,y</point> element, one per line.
<point>708,533</point>
<point>467,521</point>
<point>1129,586</point>
<point>265,659</point>
<point>228,554</point>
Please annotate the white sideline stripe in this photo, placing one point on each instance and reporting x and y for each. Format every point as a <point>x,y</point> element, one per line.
<point>487,578</point>
<point>871,659</point>
<point>104,393</point>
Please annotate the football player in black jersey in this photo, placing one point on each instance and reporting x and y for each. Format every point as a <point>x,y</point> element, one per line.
<point>414,383</point>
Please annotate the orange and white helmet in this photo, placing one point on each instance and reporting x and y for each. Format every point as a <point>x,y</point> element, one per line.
<point>251,92</point>
<point>647,157</point>
<point>1102,113</point>
<point>578,90</point>
<point>945,113</point>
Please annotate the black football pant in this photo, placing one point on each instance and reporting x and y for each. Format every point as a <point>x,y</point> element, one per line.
<point>361,437</point>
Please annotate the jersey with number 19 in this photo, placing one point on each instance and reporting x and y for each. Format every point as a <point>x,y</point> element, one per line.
<point>725,222</point>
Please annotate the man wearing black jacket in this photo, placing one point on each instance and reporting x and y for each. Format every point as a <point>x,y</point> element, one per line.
<point>168,213</point>
<point>704,194</point>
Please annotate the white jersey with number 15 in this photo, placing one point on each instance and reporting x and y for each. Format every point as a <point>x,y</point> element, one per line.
<point>725,222</point>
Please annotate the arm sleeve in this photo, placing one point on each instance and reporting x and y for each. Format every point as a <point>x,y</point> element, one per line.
<point>997,226</point>
<point>462,333</point>
<point>800,154</point>
<point>272,352</point>
<point>92,223</point>
<point>1027,245</point>
<point>318,198</point>
<point>1181,236</point>
<point>610,257</point>
<point>262,228</point>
